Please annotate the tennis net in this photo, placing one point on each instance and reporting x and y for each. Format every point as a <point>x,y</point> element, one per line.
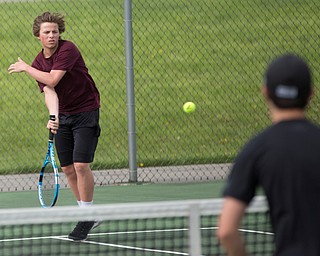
<point>158,228</point>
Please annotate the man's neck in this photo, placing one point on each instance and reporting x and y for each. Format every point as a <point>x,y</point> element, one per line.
<point>48,52</point>
<point>278,115</point>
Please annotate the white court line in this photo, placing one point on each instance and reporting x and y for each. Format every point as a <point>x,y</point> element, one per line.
<point>129,232</point>
<point>246,231</point>
<point>133,247</point>
<point>127,247</point>
<point>94,234</point>
<point>64,238</point>
<point>256,232</point>
<point>31,238</point>
<point>139,232</point>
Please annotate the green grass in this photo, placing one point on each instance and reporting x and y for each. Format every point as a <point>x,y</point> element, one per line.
<point>210,52</point>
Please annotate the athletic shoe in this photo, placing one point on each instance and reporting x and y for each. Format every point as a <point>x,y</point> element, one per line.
<point>96,224</point>
<point>82,229</point>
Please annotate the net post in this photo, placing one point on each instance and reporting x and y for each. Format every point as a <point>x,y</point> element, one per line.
<point>194,230</point>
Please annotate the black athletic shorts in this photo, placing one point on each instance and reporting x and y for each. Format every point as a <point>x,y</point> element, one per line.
<point>77,137</point>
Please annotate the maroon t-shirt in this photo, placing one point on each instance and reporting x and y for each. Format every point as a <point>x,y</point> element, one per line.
<point>76,90</point>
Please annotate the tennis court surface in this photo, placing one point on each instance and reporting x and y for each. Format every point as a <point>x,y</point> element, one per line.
<point>185,227</point>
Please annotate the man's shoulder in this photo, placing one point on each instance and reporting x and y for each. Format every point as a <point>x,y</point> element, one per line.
<point>67,49</point>
<point>64,44</point>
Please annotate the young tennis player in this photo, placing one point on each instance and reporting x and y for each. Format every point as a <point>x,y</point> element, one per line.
<point>72,97</point>
<point>285,161</point>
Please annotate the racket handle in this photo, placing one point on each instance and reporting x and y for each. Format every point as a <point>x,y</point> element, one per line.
<point>52,118</point>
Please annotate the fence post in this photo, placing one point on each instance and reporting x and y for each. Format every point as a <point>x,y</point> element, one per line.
<point>130,91</point>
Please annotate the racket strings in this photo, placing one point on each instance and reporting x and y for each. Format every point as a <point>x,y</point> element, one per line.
<point>48,184</point>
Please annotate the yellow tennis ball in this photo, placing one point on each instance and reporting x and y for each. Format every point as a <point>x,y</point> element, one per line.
<point>189,107</point>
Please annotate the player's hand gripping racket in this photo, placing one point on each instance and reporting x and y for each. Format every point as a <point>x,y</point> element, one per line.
<point>48,186</point>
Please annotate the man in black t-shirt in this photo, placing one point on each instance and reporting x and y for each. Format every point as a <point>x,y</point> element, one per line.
<point>285,161</point>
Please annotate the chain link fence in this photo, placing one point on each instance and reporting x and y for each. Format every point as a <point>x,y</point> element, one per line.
<point>210,52</point>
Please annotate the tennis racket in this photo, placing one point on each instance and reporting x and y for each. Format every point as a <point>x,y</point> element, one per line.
<point>48,186</point>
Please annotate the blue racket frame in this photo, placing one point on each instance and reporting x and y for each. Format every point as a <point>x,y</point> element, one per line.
<point>50,159</point>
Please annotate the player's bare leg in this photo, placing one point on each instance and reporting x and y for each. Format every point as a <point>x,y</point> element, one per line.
<point>85,181</point>
<point>71,175</point>
<point>85,188</point>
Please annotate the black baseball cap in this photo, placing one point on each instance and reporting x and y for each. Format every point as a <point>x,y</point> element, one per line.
<point>288,80</point>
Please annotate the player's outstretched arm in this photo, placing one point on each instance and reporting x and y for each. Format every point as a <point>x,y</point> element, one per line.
<point>50,79</point>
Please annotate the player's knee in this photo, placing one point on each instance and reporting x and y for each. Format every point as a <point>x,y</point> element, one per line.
<point>82,168</point>
<point>68,170</point>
